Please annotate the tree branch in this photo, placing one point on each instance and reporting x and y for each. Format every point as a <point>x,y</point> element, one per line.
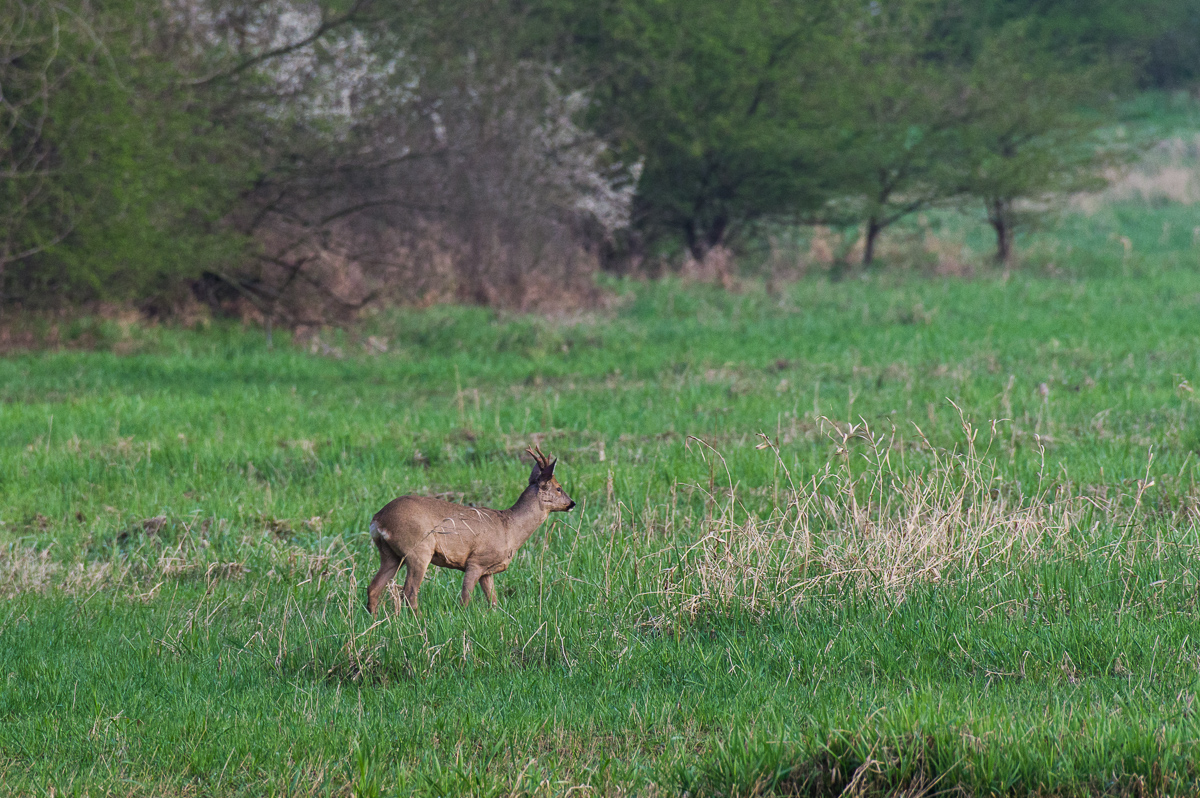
<point>325,26</point>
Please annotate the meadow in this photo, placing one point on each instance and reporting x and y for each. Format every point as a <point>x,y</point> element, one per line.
<point>893,534</point>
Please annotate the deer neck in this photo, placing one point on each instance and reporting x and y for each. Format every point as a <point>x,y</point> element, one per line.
<point>525,517</point>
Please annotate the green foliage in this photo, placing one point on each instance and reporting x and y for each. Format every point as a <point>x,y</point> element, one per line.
<point>714,97</point>
<point>131,175</point>
<point>893,94</point>
<point>841,114</point>
<point>1154,38</point>
<point>1031,131</point>
<point>135,139</point>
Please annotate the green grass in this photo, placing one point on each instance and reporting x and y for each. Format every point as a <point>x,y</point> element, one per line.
<point>222,649</point>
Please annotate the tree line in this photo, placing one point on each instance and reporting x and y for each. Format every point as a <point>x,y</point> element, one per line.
<point>308,157</point>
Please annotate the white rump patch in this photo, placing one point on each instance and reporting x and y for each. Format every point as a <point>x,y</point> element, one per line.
<point>378,532</point>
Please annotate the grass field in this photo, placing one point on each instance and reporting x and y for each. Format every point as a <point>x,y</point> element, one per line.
<point>890,534</point>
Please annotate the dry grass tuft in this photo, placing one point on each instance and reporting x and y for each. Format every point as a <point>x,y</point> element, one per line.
<point>868,523</point>
<point>145,568</point>
<point>30,570</point>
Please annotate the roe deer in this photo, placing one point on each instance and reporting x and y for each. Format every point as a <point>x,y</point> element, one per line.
<point>415,531</point>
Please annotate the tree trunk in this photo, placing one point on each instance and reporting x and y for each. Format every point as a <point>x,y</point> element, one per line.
<point>874,228</point>
<point>716,231</point>
<point>1000,218</point>
<point>693,242</point>
<point>700,238</point>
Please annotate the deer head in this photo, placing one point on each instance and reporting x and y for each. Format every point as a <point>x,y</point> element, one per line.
<point>550,493</point>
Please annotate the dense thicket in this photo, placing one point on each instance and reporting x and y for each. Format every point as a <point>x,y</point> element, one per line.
<point>1156,38</point>
<point>306,157</point>
<point>113,173</point>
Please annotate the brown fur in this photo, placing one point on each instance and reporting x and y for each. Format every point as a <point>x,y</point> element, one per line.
<point>416,531</point>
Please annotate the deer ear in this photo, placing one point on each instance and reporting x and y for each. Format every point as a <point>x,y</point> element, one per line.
<point>548,471</point>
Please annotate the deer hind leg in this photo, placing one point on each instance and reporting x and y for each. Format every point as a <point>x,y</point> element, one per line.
<point>389,563</point>
<point>472,575</point>
<point>414,572</point>
<point>489,589</point>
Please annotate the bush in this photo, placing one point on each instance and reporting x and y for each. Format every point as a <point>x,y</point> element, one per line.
<point>119,176</point>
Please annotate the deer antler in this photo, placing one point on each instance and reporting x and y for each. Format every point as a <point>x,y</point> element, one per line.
<point>538,456</point>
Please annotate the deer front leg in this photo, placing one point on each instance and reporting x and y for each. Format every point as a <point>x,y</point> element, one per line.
<point>472,575</point>
<point>489,589</point>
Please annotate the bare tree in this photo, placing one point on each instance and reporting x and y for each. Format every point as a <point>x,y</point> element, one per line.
<point>398,166</point>
<point>415,176</point>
